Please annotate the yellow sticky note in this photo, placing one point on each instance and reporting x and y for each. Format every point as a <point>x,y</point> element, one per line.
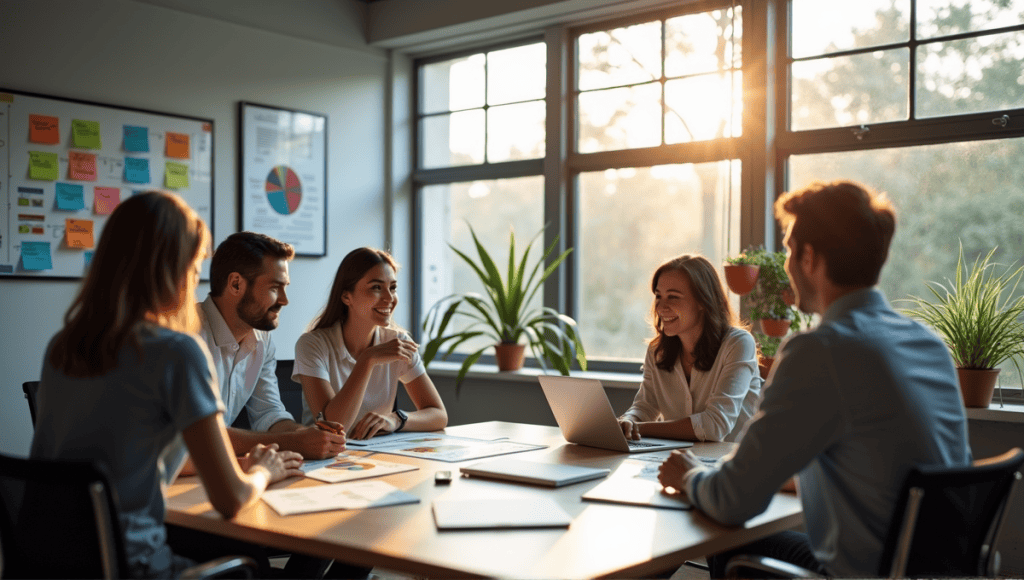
<point>78,233</point>
<point>177,145</point>
<point>43,165</point>
<point>176,174</point>
<point>85,134</point>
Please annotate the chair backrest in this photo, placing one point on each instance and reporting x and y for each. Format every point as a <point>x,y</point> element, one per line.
<point>947,520</point>
<point>291,395</point>
<point>58,519</point>
<point>31,388</point>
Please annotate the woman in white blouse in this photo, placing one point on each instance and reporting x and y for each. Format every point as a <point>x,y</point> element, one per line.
<point>701,381</point>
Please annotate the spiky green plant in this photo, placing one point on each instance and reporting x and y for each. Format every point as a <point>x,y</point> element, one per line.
<point>504,315</point>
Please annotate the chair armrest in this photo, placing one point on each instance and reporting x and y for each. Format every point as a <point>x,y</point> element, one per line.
<point>763,565</point>
<point>243,566</point>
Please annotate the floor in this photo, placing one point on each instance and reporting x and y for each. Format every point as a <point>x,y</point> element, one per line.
<point>683,573</point>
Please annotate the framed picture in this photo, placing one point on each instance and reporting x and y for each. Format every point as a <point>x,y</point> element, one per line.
<point>282,184</point>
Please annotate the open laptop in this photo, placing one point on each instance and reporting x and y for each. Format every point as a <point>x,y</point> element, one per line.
<point>585,416</point>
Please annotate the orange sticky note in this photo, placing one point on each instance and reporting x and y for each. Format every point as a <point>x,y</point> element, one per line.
<point>43,129</point>
<point>78,233</point>
<point>81,166</point>
<point>105,200</point>
<point>177,145</point>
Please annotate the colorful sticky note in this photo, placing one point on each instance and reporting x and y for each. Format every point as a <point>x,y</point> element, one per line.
<point>85,134</point>
<point>78,233</point>
<point>81,166</point>
<point>136,170</point>
<point>105,200</point>
<point>43,165</point>
<point>177,145</point>
<point>36,256</point>
<point>87,256</point>
<point>43,129</point>
<point>176,174</point>
<point>23,201</point>
<point>70,196</point>
<point>136,138</point>
<point>24,229</point>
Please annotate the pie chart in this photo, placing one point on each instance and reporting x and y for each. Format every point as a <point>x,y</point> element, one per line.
<point>284,191</point>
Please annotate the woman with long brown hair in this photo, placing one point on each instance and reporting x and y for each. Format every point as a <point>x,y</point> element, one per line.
<point>126,375</point>
<point>701,381</point>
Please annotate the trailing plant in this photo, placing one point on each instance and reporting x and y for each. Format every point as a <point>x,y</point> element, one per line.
<point>505,314</point>
<point>744,259</point>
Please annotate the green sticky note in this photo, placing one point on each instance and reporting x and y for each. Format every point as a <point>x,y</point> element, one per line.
<point>85,134</point>
<point>176,174</point>
<point>43,165</point>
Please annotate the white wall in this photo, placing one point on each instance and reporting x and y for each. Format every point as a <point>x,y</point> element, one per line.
<point>173,56</point>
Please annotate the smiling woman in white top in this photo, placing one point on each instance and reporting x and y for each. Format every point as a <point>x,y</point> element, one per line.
<point>701,381</point>
<point>351,361</point>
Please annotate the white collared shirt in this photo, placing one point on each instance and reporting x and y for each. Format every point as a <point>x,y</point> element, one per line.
<point>245,371</point>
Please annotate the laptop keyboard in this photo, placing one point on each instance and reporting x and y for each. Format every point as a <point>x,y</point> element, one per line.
<point>641,444</point>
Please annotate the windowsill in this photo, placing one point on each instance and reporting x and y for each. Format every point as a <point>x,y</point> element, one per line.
<point>1007,413</point>
<point>529,375</point>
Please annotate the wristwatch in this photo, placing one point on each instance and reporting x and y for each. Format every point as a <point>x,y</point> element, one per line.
<point>402,416</point>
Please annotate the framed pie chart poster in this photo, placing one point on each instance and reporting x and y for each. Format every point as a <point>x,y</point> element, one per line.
<point>283,178</point>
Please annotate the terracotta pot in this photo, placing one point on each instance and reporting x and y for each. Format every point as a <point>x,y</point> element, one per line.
<point>510,356</point>
<point>775,327</point>
<point>764,365</point>
<point>741,278</point>
<point>977,386</point>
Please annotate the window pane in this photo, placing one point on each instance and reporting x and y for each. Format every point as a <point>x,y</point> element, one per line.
<point>850,90</point>
<point>704,107</point>
<point>942,17</point>
<point>823,27</point>
<point>453,84</point>
<point>704,42</point>
<point>620,57</point>
<point>944,195</point>
<point>970,75</point>
<point>516,74</point>
<point>620,118</point>
<point>456,139</point>
<point>633,219</point>
<point>515,132</point>
<point>491,207</point>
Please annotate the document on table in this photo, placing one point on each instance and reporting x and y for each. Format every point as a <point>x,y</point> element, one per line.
<point>339,496</point>
<point>347,467</point>
<point>635,482</point>
<point>442,447</point>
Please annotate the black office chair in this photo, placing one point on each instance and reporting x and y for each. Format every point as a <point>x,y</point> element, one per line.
<point>946,523</point>
<point>58,519</point>
<point>31,388</point>
<point>291,395</point>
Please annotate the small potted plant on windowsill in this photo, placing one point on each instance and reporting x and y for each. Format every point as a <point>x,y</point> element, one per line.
<point>505,315</point>
<point>981,328</point>
<point>741,273</point>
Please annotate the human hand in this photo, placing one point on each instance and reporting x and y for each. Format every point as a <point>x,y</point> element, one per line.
<point>672,470</point>
<point>279,464</point>
<point>373,423</point>
<point>630,429</point>
<point>393,350</point>
<point>319,442</point>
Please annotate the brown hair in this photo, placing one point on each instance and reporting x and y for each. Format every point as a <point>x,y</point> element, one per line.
<point>351,270</point>
<point>243,252</point>
<point>719,316</point>
<point>143,266</point>
<point>848,223</point>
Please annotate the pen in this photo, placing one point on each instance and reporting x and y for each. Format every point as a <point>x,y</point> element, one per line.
<point>322,424</point>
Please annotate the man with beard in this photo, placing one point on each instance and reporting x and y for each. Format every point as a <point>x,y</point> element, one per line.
<point>850,406</point>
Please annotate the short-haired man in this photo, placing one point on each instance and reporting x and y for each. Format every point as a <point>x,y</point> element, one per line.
<point>850,406</point>
<point>248,276</point>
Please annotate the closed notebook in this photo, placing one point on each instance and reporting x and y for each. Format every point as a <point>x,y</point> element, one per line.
<point>548,474</point>
<point>499,513</point>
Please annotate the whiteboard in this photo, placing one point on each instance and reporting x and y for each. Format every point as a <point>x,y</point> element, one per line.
<point>66,164</point>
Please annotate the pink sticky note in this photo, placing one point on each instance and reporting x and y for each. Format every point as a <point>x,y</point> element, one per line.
<point>106,199</point>
<point>81,166</point>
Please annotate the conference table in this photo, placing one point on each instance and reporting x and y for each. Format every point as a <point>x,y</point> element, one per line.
<point>603,540</point>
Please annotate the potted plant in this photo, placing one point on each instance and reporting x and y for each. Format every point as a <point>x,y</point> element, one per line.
<point>741,273</point>
<point>505,315</point>
<point>767,300</point>
<point>981,328</point>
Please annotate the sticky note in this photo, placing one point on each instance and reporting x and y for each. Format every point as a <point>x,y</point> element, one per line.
<point>36,256</point>
<point>43,129</point>
<point>136,170</point>
<point>81,166</point>
<point>176,174</point>
<point>78,233</point>
<point>24,229</point>
<point>23,201</point>
<point>70,196</point>
<point>136,138</point>
<point>43,165</point>
<point>87,256</point>
<point>105,200</point>
<point>177,145</point>
<point>85,134</point>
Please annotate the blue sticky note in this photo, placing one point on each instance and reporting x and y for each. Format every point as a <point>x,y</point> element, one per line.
<point>136,139</point>
<point>36,256</point>
<point>88,258</point>
<point>136,170</point>
<point>70,196</point>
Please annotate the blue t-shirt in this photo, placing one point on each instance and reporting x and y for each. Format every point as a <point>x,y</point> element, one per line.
<point>125,418</point>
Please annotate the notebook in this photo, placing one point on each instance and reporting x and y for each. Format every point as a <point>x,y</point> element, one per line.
<point>585,416</point>
<point>549,474</point>
<point>477,514</point>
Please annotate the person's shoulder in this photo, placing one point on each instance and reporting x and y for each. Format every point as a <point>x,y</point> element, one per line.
<point>164,341</point>
<point>737,335</point>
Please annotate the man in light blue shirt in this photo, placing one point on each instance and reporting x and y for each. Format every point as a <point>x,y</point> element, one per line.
<point>849,407</point>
